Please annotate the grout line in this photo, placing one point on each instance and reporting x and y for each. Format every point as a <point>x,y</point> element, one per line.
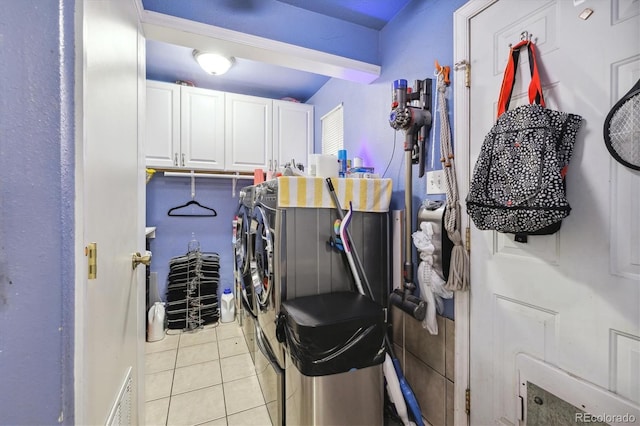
<point>173,377</point>
<point>224,397</point>
<point>219,359</point>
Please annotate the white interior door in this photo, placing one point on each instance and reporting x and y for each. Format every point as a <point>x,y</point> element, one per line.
<point>110,308</point>
<point>571,299</point>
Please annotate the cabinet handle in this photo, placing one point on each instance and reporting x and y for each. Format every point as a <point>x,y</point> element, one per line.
<point>270,165</point>
<point>175,159</point>
<point>183,159</point>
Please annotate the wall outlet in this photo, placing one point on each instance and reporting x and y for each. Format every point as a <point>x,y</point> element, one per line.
<point>435,182</point>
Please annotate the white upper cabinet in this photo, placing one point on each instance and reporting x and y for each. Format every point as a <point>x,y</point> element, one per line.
<point>199,129</point>
<point>162,139</point>
<point>184,127</point>
<point>292,132</point>
<point>202,129</point>
<point>248,130</point>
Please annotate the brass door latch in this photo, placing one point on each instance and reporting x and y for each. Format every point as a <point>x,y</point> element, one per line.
<point>138,258</point>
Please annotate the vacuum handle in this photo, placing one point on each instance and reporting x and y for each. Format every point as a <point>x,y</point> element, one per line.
<point>330,185</point>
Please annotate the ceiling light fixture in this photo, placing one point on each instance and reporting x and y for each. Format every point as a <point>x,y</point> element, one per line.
<point>213,63</point>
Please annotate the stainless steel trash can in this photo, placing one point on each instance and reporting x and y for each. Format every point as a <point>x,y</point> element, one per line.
<point>335,350</point>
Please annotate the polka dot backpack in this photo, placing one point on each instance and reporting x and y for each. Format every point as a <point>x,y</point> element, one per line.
<point>518,183</point>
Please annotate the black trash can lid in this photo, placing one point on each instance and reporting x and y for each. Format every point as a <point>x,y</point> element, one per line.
<point>332,333</point>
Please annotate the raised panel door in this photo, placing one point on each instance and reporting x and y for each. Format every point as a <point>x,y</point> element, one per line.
<point>292,132</point>
<point>569,300</point>
<point>162,135</point>
<point>202,129</point>
<point>248,133</point>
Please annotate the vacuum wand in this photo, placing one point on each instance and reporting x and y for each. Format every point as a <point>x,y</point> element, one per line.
<point>404,299</point>
<point>414,120</point>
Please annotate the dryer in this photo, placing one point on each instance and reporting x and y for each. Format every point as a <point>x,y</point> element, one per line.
<point>263,261</point>
<point>270,356</point>
<point>247,313</point>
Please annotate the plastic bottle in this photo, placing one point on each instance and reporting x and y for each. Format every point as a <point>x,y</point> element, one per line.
<point>227,306</point>
<point>155,324</point>
<point>342,160</point>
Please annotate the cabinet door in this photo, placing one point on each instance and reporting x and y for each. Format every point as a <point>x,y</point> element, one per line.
<point>202,129</point>
<point>292,132</point>
<point>162,137</point>
<point>248,130</point>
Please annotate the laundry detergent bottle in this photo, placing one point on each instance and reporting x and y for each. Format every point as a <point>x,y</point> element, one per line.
<point>227,306</point>
<point>155,322</point>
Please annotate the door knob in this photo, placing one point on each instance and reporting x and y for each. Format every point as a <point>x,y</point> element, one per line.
<point>137,259</point>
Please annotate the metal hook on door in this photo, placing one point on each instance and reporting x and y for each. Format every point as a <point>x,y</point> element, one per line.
<point>524,36</point>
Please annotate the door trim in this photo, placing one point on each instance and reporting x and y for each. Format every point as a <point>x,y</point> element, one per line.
<point>80,269</point>
<point>141,220</point>
<point>461,119</point>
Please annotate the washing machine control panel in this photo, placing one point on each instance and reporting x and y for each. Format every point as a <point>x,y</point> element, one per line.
<point>267,193</point>
<point>246,196</point>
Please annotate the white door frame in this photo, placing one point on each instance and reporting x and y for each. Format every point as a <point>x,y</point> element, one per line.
<point>461,119</point>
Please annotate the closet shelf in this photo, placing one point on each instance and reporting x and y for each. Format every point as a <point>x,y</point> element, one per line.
<point>234,176</point>
<point>150,232</point>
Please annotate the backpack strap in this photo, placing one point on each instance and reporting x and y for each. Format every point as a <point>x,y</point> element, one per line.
<point>535,87</point>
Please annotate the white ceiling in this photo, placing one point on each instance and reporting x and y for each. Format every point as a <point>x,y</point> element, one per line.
<point>283,48</point>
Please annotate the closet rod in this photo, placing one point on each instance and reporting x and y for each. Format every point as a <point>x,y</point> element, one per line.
<point>209,175</point>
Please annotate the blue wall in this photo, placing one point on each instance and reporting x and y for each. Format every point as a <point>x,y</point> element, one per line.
<point>36,211</point>
<point>421,33</point>
<point>173,234</point>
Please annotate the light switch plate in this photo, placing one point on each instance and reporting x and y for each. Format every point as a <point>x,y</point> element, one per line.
<point>435,182</point>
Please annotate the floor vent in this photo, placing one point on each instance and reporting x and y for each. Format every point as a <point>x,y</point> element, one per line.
<point>121,411</point>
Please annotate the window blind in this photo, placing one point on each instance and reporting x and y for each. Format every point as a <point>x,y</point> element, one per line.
<point>333,131</point>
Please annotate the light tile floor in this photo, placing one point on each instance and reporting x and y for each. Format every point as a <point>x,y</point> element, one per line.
<point>204,377</point>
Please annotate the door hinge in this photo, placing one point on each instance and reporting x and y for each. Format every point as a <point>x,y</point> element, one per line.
<point>467,401</point>
<point>464,64</point>
<point>91,251</point>
<point>467,239</point>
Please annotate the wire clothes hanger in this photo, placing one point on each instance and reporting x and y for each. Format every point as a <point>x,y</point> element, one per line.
<point>205,212</point>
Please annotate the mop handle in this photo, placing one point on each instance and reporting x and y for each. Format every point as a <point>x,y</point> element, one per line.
<point>347,248</point>
<point>358,262</point>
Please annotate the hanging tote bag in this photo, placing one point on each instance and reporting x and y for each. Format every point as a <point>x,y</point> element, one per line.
<point>518,181</point>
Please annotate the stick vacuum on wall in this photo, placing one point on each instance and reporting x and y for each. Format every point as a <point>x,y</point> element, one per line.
<point>411,113</point>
